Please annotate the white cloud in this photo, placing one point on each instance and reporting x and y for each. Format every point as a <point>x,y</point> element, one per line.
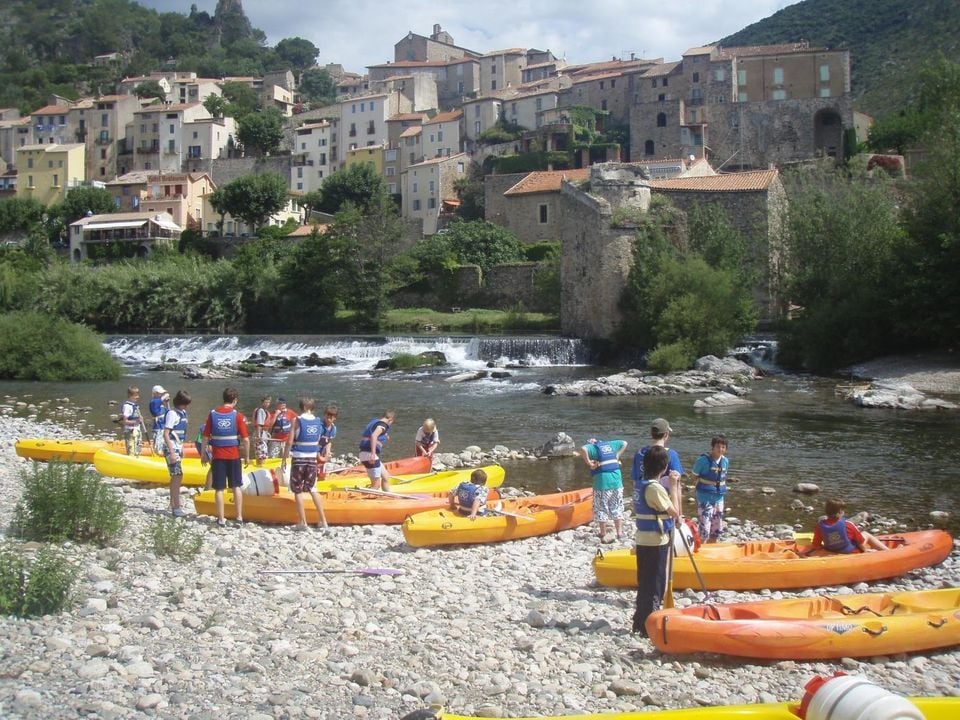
<point>357,33</point>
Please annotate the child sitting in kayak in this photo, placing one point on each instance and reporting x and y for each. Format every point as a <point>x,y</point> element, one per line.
<point>837,534</point>
<point>470,498</point>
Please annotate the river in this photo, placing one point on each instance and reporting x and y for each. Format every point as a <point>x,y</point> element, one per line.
<point>894,463</point>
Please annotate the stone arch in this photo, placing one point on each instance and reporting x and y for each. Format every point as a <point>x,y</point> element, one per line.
<point>143,251</point>
<point>828,132</point>
<point>77,255</point>
<point>648,147</point>
<point>661,119</point>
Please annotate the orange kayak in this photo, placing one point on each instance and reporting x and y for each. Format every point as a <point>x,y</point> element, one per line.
<point>339,507</point>
<point>518,518</point>
<point>778,564</point>
<point>813,628</point>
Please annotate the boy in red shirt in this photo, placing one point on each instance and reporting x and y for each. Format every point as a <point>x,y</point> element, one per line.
<point>837,534</point>
<point>225,432</point>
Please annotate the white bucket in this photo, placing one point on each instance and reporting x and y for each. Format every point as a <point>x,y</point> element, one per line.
<point>259,482</point>
<point>856,698</point>
<point>679,549</point>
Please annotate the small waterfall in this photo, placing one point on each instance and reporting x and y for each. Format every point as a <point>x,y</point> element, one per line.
<point>759,351</point>
<point>538,351</point>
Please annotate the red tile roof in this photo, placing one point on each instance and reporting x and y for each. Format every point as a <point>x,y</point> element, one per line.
<point>756,50</point>
<point>546,181</point>
<point>755,181</point>
<point>449,116</point>
<point>661,69</point>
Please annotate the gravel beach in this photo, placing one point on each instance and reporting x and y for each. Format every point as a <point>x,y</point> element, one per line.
<point>498,631</point>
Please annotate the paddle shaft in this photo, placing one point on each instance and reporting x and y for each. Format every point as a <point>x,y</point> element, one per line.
<point>360,571</point>
<point>385,493</point>
<point>686,544</point>
<point>668,601</point>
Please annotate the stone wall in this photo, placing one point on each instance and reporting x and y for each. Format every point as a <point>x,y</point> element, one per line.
<point>226,170</point>
<point>502,287</point>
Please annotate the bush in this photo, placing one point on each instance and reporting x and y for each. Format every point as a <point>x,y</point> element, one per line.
<point>172,538</point>
<point>544,250</point>
<point>408,361</point>
<point>39,588</point>
<point>64,502</point>
<point>671,357</point>
<point>34,346</point>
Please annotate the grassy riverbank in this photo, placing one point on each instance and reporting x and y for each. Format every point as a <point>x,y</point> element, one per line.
<point>469,320</point>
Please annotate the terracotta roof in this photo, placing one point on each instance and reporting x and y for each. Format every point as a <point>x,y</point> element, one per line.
<point>434,161</point>
<point>756,50</point>
<point>543,64</point>
<point>662,69</point>
<point>449,116</point>
<point>52,147</point>
<point>546,181</point>
<point>399,117</point>
<point>424,63</point>
<point>731,182</point>
<point>702,50</point>
<point>52,110</point>
<point>307,230</point>
<point>577,79</point>
<point>412,131</point>
<point>173,107</point>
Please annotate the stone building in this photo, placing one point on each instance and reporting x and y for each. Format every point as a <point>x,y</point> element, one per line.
<point>528,204</point>
<point>439,46</point>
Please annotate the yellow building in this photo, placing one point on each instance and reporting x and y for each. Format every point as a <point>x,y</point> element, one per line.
<point>46,172</point>
<point>371,154</point>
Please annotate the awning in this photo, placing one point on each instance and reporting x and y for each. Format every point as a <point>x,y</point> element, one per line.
<point>115,225</point>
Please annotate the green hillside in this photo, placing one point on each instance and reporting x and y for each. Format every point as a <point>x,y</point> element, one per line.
<point>888,41</point>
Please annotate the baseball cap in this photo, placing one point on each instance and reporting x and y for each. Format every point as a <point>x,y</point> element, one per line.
<point>158,390</point>
<point>281,400</point>
<point>660,426</point>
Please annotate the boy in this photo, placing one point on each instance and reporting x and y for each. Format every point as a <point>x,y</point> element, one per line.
<point>711,471</point>
<point>603,459</point>
<point>375,434</point>
<point>261,433</point>
<point>174,434</point>
<point>303,446</point>
<point>656,516</point>
<point>224,432</point>
<point>838,535</point>
<point>328,431</point>
<point>660,432</point>
<point>280,428</point>
<point>131,422</point>
<point>470,498</point>
<point>427,438</point>
<point>159,405</point>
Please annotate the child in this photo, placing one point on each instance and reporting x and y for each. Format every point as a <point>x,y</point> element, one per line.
<point>261,428</point>
<point>427,439</point>
<point>838,535</point>
<point>470,498</point>
<point>375,434</point>
<point>711,471</point>
<point>603,459</point>
<point>159,405</point>
<point>280,428</point>
<point>174,434</point>
<point>328,432</point>
<point>656,516</point>
<point>303,447</point>
<point>131,422</point>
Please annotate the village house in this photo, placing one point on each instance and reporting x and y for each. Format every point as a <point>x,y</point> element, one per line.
<point>441,135</point>
<point>157,134</point>
<point>425,185</point>
<point>15,132</point>
<point>314,155</point>
<point>502,69</point>
<point>46,172</point>
<point>527,204</point>
<point>142,231</point>
<point>179,195</point>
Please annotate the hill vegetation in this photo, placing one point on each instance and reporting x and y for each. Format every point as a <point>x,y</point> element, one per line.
<point>889,40</point>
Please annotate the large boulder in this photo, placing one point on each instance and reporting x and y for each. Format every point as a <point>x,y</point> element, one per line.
<point>560,445</point>
<point>724,366</point>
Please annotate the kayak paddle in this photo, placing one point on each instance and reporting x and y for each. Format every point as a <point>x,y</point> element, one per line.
<point>357,571</point>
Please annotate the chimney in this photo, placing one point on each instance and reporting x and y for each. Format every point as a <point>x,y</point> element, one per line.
<point>436,29</point>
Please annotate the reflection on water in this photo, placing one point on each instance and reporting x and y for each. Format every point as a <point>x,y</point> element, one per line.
<point>894,463</point>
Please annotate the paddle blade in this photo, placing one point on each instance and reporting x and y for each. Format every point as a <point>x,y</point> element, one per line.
<point>354,571</point>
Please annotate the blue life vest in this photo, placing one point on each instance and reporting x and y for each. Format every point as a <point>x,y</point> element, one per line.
<point>648,519</point>
<point>158,413</point>
<point>715,479</point>
<point>368,433</point>
<point>307,442</point>
<point>466,495</point>
<point>133,420</point>
<point>326,435</point>
<point>637,471</point>
<point>282,424</point>
<point>606,457</point>
<point>225,429</point>
<point>429,438</point>
<point>179,432</point>
<point>835,538</point>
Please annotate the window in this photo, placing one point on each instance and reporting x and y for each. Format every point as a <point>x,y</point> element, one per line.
<point>476,111</point>
<point>693,116</point>
<point>392,188</point>
<point>416,204</point>
<point>476,127</point>
<point>648,148</point>
<point>493,69</point>
<point>143,128</point>
<point>195,134</point>
<point>415,187</point>
<point>666,81</point>
<point>613,83</point>
<point>432,186</point>
<point>542,210</point>
<point>741,77</point>
<point>372,106</point>
<point>460,88</point>
<point>29,181</point>
<point>156,127</point>
<point>353,108</point>
<point>779,95</point>
<point>103,154</point>
<point>363,107</point>
<point>824,73</point>
<point>778,76</point>
<point>653,82</point>
<point>601,84</point>
<point>460,168</point>
<point>371,128</point>
<point>695,94</point>
<point>299,186</point>
<point>104,120</point>
<point>439,135</point>
<point>413,158</point>
<point>353,129</point>
<point>30,164</point>
<point>539,104</point>
<point>603,104</point>
<point>56,180</point>
<point>493,84</point>
<point>824,92</point>
<point>696,77</point>
<point>323,161</point>
<point>661,119</point>
<point>303,146</point>
<point>300,171</point>
<point>741,96</point>
<point>391,171</point>
<point>720,74</point>
<point>661,97</point>
<point>431,203</point>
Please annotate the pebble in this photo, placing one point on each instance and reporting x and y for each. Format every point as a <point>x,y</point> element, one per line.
<point>517,629</point>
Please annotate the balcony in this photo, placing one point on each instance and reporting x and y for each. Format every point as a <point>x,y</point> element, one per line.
<point>352,133</point>
<point>103,140</point>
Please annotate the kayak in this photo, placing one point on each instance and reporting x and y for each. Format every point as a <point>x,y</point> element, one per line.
<point>933,708</point>
<point>339,508</point>
<point>512,520</point>
<point>778,564</point>
<point>813,628</point>
<point>153,469</point>
<point>79,451</point>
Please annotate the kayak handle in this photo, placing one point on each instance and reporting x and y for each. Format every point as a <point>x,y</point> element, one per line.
<point>875,633</point>
<point>938,623</point>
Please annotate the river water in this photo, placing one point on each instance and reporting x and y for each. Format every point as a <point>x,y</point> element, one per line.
<point>894,463</point>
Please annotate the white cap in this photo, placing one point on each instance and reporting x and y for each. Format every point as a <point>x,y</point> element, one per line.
<point>158,390</point>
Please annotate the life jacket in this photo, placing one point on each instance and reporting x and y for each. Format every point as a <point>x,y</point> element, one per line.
<point>133,420</point>
<point>368,433</point>
<point>281,425</point>
<point>326,434</point>
<point>715,479</point>
<point>306,444</point>
<point>606,458</point>
<point>835,538</point>
<point>429,438</point>
<point>466,495</point>
<point>637,471</point>
<point>648,519</point>
<point>225,429</point>
<point>158,412</point>
<point>179,432</point>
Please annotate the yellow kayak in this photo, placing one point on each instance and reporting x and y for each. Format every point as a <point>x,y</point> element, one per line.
<point>47,449</point>
<point>417,483</point>
<point>933,708</point>
<point>153,469</point>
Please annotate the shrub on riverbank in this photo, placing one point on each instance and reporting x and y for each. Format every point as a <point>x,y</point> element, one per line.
<point>62,501</point>
<point>32,589</point>
<point>174,539</point>
<point>34,346</point>
<point>467,321</point>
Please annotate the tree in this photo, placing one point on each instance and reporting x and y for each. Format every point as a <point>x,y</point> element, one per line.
<point>216,105</point>
<point>317,86</point>
<point>150,89</point>
<point>299,53</point>
<point>471,195</point>
<point>251,198</point>
<point>260,133</point>
<point>241,99</point>
<point>357,185</point>
<point>20,215</point>
<point>479,242</point>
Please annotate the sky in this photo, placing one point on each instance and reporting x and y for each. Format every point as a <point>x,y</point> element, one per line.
<point>358,33</point>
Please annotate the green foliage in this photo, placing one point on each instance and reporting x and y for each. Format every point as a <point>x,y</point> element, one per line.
<point>357,185</point>
<point>150,89</point>
<point>627,216</point>
<point>410,361</point>
<point>39,347</point>
<point>168,537</point>
<point>317,86</point>
<point>62,501</point>
<point>481,320</point>
<point>671,357</point>
<point>478,242</point>
<point>241,99</point>
<point>528,162</point>
<point>470,192</point>
<point>75,206</point>
<point>20,215</point>
<point>544,250</point>
<point>40,587</point>
<point>546,281</point>
<point>261,132</point>
<point>251,198</point>
<point>715,239</point>
<point>297,53</point>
